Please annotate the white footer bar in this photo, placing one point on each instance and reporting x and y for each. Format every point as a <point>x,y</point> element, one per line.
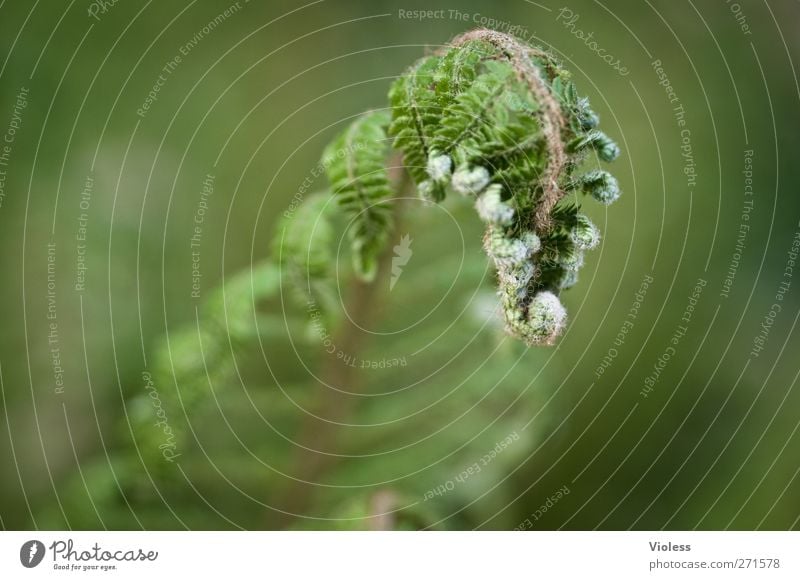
<point>401,555</point>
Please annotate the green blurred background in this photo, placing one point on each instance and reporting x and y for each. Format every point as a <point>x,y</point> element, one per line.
<point>252,103</point>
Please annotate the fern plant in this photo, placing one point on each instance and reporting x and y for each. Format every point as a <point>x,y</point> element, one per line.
<point>488,120</point>
<point>498,122</point>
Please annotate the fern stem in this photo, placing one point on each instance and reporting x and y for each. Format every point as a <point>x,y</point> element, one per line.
<point>307,465</point>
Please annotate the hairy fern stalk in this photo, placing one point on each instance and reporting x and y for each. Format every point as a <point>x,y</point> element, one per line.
<point>500,123</point>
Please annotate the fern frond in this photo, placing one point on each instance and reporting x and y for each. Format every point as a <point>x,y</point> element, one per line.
<point>199,355</point>
<point>494,118</point>
<point>303,245</point>
<point>415,112</point>
<point>356,166</point>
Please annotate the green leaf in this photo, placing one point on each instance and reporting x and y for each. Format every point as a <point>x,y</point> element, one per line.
<point>356,166</point>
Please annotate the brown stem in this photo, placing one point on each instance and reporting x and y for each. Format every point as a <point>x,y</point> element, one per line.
<point>381,506</point>
<point>332,404</point>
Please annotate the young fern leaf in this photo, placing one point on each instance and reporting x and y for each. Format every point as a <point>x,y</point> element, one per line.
<point>472,108</point>
<point>415,109</point>
<point>496,119</point>
<point>356,166</point>
<point>303,246</point>
<point>200,354</point>
<point>516,131</point>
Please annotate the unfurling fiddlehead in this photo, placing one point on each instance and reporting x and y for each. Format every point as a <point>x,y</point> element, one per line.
<point>498,121</point>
